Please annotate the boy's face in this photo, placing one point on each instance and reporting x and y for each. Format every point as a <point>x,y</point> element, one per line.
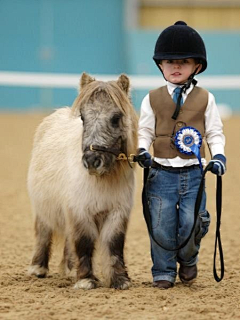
<point>178,71</point>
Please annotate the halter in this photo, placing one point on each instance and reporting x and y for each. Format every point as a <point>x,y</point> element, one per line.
<point>120,155</point>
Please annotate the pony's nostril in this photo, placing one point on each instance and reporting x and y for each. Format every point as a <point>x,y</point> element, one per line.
<point>85,163</point>
<point>97,163</point>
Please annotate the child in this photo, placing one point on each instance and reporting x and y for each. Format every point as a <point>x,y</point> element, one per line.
<point>174,177</point>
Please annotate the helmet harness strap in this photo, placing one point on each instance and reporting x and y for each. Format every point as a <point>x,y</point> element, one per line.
<point>184,89</point>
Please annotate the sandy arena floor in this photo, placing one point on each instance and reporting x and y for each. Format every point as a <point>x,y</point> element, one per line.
<point>27,298</point>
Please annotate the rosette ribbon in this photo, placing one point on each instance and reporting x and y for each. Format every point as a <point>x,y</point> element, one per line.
<point>188,140</point>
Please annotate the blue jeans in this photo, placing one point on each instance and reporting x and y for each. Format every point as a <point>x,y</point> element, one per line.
<point>171,196</point>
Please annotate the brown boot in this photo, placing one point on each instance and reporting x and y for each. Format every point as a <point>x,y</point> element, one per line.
<point>187,274</point>
<point>162,284</point>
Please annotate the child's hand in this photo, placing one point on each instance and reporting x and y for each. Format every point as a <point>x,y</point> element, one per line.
<point>144,158</point>
<point>219,164</point>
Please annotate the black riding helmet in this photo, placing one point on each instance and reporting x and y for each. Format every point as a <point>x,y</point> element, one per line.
<point>180,41</point>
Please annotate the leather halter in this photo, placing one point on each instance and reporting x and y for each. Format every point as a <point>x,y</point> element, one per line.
<point>120,155</point>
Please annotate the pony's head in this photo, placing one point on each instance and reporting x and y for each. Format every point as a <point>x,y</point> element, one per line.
<point>109,122</point>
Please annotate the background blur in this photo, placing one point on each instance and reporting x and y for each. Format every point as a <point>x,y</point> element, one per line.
<point>47,44</point>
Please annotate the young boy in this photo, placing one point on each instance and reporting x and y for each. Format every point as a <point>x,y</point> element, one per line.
<point>174,177</point>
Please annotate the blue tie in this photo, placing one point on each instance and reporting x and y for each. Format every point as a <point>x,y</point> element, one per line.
<point>176,94</point>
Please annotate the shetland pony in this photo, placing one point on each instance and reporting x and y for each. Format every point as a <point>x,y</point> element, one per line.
<point>81,184</point>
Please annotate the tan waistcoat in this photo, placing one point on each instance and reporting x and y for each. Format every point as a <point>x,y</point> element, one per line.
<point>191,114</point>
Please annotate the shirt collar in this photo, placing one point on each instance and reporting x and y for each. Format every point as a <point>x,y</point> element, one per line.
<point>171,87</point>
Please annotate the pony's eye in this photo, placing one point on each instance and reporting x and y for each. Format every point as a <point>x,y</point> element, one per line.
<point>115,120</point>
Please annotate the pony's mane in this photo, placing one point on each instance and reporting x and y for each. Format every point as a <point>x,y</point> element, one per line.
<point>110,88</point>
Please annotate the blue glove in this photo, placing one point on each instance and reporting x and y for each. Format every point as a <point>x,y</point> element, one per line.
<point>144,158</point>
<point>219,164</point>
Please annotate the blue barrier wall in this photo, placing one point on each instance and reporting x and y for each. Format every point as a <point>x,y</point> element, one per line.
<point>62,36</point>
<point>89,35</point>
<point>58,36</point>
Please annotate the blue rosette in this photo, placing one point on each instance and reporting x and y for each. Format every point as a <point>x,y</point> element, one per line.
<point>188,140</point>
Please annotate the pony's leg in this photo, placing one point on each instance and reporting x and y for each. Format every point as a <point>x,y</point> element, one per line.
<point>68,262</point>
<point>112,241</point>
<point>84,238</point>
<point>43,234</point>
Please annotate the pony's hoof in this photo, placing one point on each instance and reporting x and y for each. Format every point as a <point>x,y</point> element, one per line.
<point>121,284</point>
<point>37,271</point>
<point>86,284</point>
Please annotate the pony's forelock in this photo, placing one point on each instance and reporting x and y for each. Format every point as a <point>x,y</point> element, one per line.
<point>111,88</point>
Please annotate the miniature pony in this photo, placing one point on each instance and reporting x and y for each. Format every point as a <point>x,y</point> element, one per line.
<point>81,182</point>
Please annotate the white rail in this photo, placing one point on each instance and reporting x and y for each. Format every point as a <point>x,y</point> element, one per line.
<point>60,80</point>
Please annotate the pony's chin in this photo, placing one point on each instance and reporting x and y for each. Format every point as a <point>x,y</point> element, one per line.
<point>97,173</point>
<point>101,171</point>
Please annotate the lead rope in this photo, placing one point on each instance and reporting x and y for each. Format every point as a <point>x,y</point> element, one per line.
<point>218,243</point>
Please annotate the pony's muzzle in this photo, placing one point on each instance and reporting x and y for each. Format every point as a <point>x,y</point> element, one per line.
<point>93,162</point>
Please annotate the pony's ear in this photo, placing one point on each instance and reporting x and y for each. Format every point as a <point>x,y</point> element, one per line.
<point>124,83</point>
<point>85,80</point>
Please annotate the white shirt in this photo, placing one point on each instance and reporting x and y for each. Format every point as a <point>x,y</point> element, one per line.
<point>213,129</point>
